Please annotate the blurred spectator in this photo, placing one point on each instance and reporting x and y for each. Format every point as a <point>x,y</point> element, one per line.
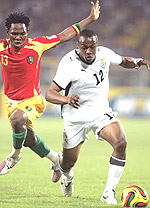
<point>122,26</point>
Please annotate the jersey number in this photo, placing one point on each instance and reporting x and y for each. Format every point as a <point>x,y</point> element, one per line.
<point>110,117</point>
<point>100,78</point>
<point>4,60</point>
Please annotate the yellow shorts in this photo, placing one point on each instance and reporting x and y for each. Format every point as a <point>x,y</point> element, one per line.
<point>33,107</point>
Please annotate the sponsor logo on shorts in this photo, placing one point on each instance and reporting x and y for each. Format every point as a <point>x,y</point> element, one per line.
<point>65,136</point>
<point>65,140</point>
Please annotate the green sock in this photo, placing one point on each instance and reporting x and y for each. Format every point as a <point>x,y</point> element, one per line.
<point>19,138</point>
<point>41,148</point>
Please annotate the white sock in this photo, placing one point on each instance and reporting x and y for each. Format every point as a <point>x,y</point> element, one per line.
<point>69,175</point>
<point>15,152</point>
<point>53,156</point>
<point>114,174</point>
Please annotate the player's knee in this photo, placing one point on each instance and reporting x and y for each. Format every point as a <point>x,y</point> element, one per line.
<point>18,121</point>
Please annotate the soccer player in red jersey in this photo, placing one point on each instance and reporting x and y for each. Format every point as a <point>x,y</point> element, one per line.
<point>20,61</point>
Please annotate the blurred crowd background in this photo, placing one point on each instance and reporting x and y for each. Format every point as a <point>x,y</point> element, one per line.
<point>124,26</point>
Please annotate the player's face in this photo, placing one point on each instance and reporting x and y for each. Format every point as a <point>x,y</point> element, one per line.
<point>87,48</point>
<point>17,34</point>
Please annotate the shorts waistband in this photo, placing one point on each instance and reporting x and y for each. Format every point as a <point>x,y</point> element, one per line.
<point>18,101</point>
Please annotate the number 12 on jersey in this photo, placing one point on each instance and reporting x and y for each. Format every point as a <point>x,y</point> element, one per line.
<point>99,78</point>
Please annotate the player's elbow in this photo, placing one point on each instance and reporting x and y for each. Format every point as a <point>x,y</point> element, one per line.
<point>66,36</point>
<point>48,97</point>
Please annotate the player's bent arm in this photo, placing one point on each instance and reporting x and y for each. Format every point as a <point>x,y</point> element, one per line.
<point>130,62</point>
<point>53,96</point>
<point>71,32</point>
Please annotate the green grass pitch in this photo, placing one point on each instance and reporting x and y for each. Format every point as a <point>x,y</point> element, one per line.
<point>29,185</point>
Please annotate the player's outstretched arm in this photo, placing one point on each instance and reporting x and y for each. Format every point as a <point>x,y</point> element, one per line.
<point>74,30</point>
<point>130,62</point>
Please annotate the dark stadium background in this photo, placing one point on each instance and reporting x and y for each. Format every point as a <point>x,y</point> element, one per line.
<point>124,26</point>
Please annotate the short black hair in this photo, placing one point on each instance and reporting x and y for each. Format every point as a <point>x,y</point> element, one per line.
<point>86,33</point>
<point>16,18</point>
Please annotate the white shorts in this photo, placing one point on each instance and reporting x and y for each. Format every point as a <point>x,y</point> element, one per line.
<point>75,132</point>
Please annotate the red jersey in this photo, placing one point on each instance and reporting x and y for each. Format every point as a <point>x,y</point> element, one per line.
<point>21,68</point>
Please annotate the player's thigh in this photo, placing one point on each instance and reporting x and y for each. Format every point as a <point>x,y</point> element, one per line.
<point>34,108</point>
<point>113,133</point>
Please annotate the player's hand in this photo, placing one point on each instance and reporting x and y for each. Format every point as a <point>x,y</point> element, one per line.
<point>74,101</point>
<point>95,10</point>
<point>141,62</point>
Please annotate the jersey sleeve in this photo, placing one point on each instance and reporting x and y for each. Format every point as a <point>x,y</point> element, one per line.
<point>64,74</point>
<point>115,59</point>
<point>2,44</point>
<point>46,42</point>
<point>1,40</point>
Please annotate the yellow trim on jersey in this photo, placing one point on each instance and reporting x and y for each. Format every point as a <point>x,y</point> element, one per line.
<point>2,46</point>
<point>37,46</point>
<point>35,92</point>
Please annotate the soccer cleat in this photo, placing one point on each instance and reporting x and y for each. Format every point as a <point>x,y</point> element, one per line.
<point>67,186</point>
<point>56,173</point>
<point>109,197</point>
<point>7,164</point>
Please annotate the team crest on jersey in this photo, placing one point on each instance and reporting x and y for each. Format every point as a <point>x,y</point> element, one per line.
<point>30,59</point>
<point>103,63</point>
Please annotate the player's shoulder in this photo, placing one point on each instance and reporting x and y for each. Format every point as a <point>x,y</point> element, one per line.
<point>69,57</point>
<point>29,40</point>
<point>4,44</point>
<point>103,49</point>
<point>2,40</point>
